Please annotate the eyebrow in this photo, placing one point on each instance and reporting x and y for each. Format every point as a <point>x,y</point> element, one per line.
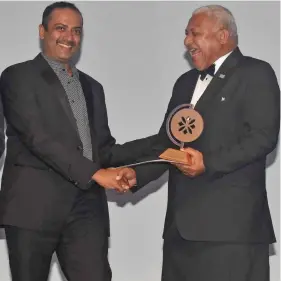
<point>64,25</point>
<point>191,29</point>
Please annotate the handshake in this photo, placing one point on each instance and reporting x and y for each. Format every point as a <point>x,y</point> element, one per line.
<point>122,179</point>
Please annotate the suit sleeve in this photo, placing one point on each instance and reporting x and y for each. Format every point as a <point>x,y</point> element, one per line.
<point>150,172</point>
<point>261,107</point>
<point>22,113</point>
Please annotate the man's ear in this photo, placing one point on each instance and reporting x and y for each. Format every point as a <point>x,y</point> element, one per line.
<point>223,36</point>
<point>41,31</point>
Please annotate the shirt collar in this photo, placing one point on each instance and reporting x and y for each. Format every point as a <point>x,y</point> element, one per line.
<point>220,61</point>
<point>58,66</point>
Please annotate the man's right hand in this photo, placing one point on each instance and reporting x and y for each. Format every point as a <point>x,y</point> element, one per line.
<point>128,175</point>
<point>107,179</point>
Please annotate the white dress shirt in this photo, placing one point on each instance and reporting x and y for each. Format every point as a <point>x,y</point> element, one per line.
<point>202,85</point>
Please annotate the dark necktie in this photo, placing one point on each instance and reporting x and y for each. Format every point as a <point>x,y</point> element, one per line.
<point>210,70</point>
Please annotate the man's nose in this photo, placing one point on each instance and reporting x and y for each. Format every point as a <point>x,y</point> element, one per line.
<point>188,40</point>
<point>69,35</point>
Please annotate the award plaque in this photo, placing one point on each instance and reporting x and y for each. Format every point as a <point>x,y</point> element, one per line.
<point>183,125</point>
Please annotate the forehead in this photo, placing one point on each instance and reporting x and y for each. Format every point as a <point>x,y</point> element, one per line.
<point>202,21</point>
<point>65,16</point>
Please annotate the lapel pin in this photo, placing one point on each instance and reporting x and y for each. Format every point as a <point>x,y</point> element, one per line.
<point>222,98</point>
<point>221,76</point>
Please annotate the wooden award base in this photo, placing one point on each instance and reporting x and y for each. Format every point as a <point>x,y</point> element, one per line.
<point>176,156</point>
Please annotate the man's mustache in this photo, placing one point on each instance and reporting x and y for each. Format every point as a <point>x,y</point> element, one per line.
<point>68,43</point>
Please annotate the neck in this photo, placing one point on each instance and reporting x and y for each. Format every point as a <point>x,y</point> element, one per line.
<point>68,68</point>
<point>223,52</point>
<point>227,49</point>
<point>66,64</point>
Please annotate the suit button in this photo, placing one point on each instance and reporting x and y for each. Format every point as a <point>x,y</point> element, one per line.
<point>76,183</point>
<point>79,147</point>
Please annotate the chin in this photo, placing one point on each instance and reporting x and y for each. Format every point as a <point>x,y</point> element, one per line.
<point>198,66</point>
<point>65,58</point>
<point>65,54</point>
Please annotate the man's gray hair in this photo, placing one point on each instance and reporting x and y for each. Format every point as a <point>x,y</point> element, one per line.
<point>224,17</point>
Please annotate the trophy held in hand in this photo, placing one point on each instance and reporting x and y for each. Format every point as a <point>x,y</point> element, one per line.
<point>183,125</point>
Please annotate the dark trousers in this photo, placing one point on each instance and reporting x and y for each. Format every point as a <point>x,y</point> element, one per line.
<point>81,248</point>
<point>185,260</point>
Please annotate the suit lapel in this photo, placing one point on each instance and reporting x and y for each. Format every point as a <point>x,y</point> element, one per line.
<point>51,79</point>
<point>219,80</point>
<point>56,88</point>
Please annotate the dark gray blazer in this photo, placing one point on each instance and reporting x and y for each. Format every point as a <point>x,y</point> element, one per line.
<point>45,168</point>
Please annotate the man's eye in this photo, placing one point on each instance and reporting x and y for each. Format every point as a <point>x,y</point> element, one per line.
<point>77,31</point>
<point>60,28</point>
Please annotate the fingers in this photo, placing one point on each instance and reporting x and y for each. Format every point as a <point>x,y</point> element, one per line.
<point>107,179</point>
<point>120,174</point>
<point>185,169</point>
<point>128,173</point>
<point>126,178</point>
<point>194,167</point>
<point>190,155</point>
<point>120,179</point>
<point>121,184</point>
<point>189,150</point>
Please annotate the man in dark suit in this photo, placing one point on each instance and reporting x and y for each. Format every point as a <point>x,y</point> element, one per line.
<point>218,225</point>
<point>53,197</point>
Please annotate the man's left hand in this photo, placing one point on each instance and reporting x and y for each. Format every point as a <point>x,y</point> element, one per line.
<point>196,167</point>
